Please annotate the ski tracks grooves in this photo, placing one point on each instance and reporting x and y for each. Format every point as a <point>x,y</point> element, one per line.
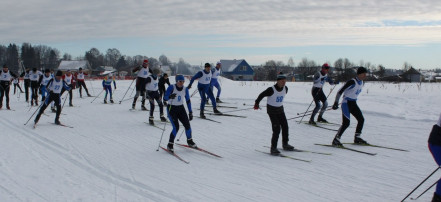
<point>77,159</point>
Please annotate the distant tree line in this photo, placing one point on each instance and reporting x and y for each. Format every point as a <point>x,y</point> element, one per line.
<point>42,57</point>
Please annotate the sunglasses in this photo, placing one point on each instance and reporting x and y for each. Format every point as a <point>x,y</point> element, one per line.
<point>181,81</point>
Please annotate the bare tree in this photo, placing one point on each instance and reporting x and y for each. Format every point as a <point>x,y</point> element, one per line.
<point>112,57</point>
<point>290,62</point>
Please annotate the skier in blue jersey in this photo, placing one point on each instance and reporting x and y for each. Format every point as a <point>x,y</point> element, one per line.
<point>107,86</point>
<point>54,87</point>
<point>175,95</point>
<point>204,77</point>
<point>350,92</point>
<point>318,95</point>
<point>435,149</point>
<point>276,113</point>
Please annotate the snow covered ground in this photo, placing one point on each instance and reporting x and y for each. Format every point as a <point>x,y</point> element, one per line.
<point>111,154</point>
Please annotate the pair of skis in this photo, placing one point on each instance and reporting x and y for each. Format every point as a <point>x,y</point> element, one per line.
<point>67,126</point>
<point>365,145</point>
<point>197,148</point>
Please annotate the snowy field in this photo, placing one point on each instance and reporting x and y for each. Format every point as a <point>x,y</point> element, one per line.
<point>111,153</point>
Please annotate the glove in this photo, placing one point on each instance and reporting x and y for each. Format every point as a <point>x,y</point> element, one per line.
<point>336,83</point>
<point>190,116</point>
<point>172,96</point>
<point>335,106</point>
<point>256,106</point>
<point>189,86</point>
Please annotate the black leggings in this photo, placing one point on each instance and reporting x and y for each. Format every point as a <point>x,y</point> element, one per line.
<point>349,108</point>
<point>278,121</point>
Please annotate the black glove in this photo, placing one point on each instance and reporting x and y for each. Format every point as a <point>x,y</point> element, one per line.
<point>335,106</point>
<point>189,86</point>
<point>172,96</point>
<point>190,116</point>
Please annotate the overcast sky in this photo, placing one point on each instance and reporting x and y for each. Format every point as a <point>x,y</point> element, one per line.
<point>381,32</point>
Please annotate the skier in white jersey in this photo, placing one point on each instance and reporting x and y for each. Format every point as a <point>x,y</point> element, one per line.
<point>27,83</point>
<point>204,79</point>
<point>349,106</point>
<point>318,95</point>
<point>54,87</point>
<point>143,73</point>
<point>276,113</point>
<point>5,85</point>
<point>47,76</point>
<point>175,95</point>
<point>34,77</point>
<point>215,73</point>
<point>70,81</point>
<point>153,94</point>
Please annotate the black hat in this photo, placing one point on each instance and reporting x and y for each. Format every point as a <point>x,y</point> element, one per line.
<point>207,64</point>
<point>5,66</point>
<point>281,76</point>
<point>80,68</point>
<point>34,69</point>
<point>361,70</point>
<point>47,71</point>
<point>59,73</point>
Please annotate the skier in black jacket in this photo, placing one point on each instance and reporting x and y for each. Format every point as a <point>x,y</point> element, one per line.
<point>276,113</point>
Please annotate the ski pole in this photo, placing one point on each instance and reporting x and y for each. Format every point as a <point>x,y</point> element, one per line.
<point>194,92</point>
<point>127,99</point>
<point>127,91</point>
<point>420,183</point>
<point>314,99</point>
<point>238,110</point>
<point>305,115</point>
<point>424,191</point>
<point>168,114</point>
<point>310,104</point>
<point>97,95</point>
<point>91,86</point>
<point>65,98</point>
<point>181,134</point>
<point>36,111</point>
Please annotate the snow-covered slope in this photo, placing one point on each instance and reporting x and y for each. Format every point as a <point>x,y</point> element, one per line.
<point>111,153</point>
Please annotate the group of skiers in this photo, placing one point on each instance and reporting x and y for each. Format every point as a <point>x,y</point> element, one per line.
<point>350,92</point>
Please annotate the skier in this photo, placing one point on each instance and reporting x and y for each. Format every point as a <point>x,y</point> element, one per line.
<point>34,77</point>
<point>143,73</point>
<point>215,72</point>
<point>80,77</point>
<point>435,149</point>
<point>27,83</point>
<point>70,81</point>
<point>176,111</point>
<point>276,113</point>
<point>153,94</point>
<point>161,84</point>
<point>44,80</point>
<point>107,86</point>
<point>16,82</point>
<point>317,93</point>
<point>349,106</point>
<point>204,77</point>
<point>54,87</point>
<point>5,83</point>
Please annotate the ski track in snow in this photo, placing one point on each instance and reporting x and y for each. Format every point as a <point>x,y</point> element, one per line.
<point>110,154</point>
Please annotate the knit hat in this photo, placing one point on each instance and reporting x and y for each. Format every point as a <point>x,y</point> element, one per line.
<point>281,76</point>
<point>146,61</point>
<point>179,78</point>
<point>5,66</point>
<point>207,64</point>
<point>47,71</point>
<point>361,70</point>
<point>59,73</point>
<point>218,63</point>
<point>326,66</point>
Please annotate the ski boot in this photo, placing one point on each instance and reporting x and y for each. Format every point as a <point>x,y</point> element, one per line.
<point>111,101</point>
<point>288,147</point>
<point>191,143</point>
<point>170,147</point>
<point>274,151</point>
<point>70,104</point>
<point>36,103</point>
<point>322,120</point>
<point>1,106</point>
<point>105,101</point>
<point>151,121</point>
<point>359,140</point>
<point>163,119</point>
<point>88,95</point>
<point>7,107</point>
<point>57,122</point>
<point>218,100</point>
<point>217,111</point>
<point>336,142</point>
<point>436,198</point>
<point>143,108</point>
<point>202,114</point>
<point>312,122</point>
<point>133,106</point>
